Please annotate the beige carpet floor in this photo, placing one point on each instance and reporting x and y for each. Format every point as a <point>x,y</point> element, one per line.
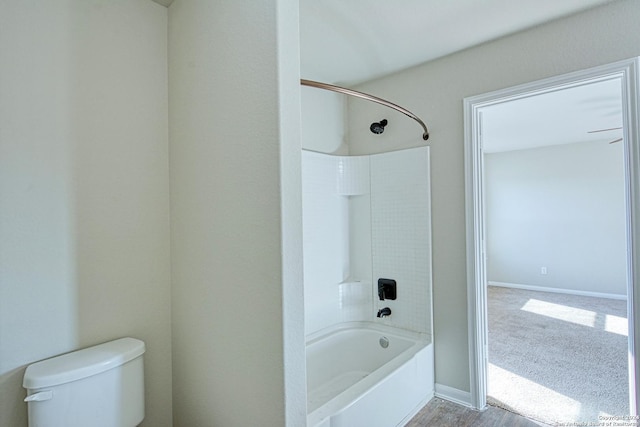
<point>557,358</point>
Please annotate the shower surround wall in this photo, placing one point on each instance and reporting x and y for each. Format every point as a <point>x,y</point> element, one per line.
<point>366,217</point>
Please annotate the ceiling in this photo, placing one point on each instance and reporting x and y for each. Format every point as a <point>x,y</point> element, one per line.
<point>349,42</point>
<point>560,117</point>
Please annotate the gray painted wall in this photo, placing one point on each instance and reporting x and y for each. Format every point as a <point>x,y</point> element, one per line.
<point>236,224</point>
<point>323,120</point>
<point>560,207</point>
<point>84,206</point>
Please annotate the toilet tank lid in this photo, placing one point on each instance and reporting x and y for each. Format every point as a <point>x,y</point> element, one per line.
<point>82,363</point>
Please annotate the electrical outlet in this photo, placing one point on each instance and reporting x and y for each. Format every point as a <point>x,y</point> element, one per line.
<point>543,270</point>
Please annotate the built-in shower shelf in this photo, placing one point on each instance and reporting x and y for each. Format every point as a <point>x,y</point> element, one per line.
<point>353,195</point>
<point>355,300</point>
<point>352,175</point>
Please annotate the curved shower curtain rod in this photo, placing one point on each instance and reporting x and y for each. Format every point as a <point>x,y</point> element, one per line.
<point>366,96</point>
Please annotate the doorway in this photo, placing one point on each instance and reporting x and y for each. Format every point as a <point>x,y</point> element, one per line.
<point>624,73</point>
<point>556,266</point>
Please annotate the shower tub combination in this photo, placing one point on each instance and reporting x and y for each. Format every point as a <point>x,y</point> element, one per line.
<point>362,373</point>
<point>366,373</point>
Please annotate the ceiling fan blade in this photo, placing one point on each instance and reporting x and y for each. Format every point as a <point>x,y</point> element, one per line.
<point>603,130</point>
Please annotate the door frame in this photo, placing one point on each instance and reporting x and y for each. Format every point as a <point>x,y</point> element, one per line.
<point>628,73</point>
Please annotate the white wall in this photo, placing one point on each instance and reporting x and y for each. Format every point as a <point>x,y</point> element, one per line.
<point>435,91</point>
<point>84,243</point>
<point>559,207</point>
<point>238,321</point>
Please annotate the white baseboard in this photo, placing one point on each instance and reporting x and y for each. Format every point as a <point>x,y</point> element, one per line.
<point>454,395</point>
<point>558,290</point>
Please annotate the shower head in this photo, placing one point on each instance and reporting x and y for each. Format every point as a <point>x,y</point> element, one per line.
<point>378,128</point>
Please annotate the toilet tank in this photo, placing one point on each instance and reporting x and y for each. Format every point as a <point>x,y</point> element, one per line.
<point>100,386</point>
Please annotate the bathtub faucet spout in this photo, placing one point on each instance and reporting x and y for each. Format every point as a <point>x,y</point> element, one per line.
<point>384,312</point>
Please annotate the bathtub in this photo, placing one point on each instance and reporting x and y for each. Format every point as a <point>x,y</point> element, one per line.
<point>366,374</point>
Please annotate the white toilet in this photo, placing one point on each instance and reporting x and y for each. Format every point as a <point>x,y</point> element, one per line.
<point>100,386</point>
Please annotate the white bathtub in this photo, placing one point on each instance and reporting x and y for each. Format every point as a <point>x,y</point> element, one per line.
<point>353,381</point>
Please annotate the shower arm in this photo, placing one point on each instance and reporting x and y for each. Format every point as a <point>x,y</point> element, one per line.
<point>368,97</point>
